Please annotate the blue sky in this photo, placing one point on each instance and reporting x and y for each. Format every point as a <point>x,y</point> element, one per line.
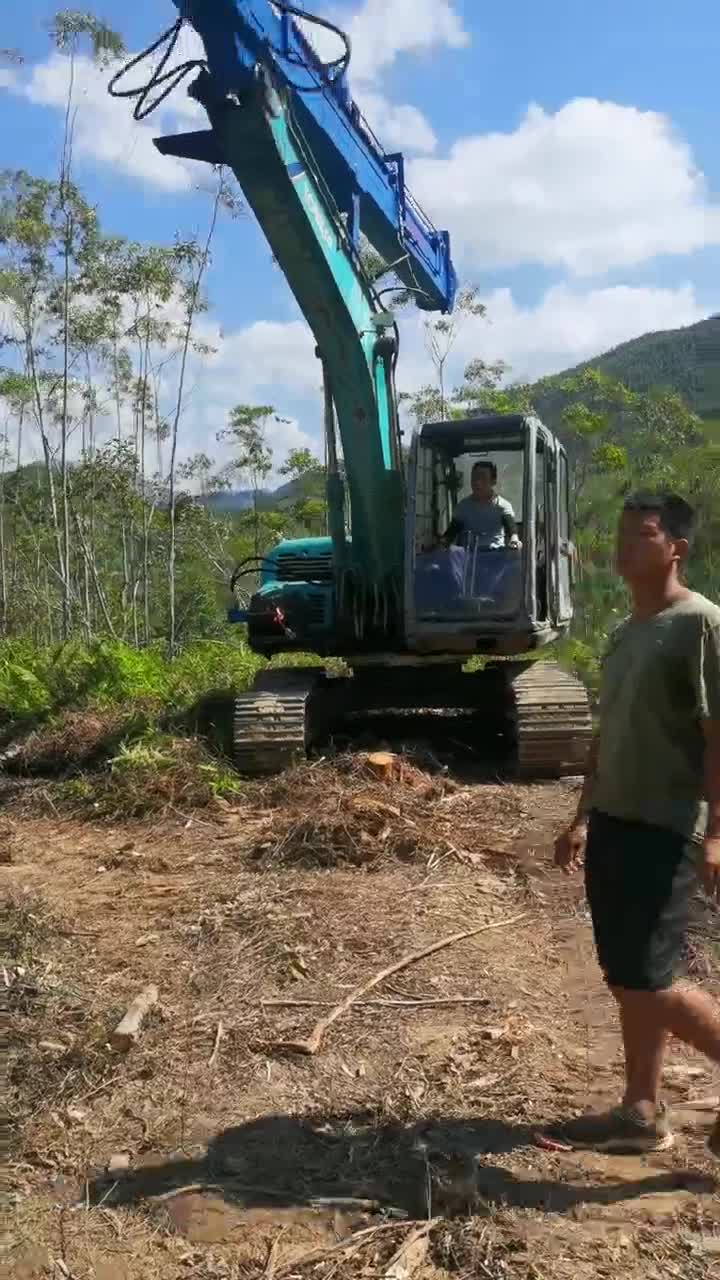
<point>571,150</point>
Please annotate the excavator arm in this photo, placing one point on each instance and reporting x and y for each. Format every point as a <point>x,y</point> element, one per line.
<point>315,177</point>
<point>242,37</point>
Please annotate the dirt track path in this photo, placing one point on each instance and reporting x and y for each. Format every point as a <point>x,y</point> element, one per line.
<point>230,1153</point>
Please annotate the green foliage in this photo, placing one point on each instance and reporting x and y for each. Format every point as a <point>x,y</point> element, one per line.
<point>583,660</point>
<point>37,682</point>
<point>610,457</point>
<point>480,390</point>
<point>151,774</point>
<point>432,402</point>
<point>95,325</point>
<point>207,666</point>
<point>23,693</point>
<point>253,457</point>
<point>300,463</point>
<point>306,495</point>
<point>157,754</point>
<point>70,25</point>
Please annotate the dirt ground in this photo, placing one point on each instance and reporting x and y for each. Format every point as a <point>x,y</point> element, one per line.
<point>406,1146</point>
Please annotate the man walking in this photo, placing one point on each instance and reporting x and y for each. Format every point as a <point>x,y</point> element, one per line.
<point>649,817</point>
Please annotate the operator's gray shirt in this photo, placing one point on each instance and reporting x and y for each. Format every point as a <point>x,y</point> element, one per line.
<point>485,520</point>
<point>661,680</point>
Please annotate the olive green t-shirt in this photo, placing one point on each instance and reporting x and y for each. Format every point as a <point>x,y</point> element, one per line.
<point>661,680</point>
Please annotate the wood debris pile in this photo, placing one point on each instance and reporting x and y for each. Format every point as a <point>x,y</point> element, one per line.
<point>370,808</point>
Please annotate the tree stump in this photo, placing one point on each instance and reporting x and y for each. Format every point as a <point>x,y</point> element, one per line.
<point>385,765</point>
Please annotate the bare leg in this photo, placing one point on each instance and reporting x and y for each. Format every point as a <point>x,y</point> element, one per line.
<point>647,1019</point>
<point>644,1040</point>
<point>691,1016</point>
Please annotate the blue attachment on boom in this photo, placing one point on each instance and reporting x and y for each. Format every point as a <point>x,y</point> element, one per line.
<point>367,184</point>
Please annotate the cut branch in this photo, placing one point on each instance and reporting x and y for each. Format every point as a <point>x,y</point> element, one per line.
<point>311,1046</point>
<point>127,1032</point>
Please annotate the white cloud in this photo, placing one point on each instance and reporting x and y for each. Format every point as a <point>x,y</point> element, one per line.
<point>398,125</point>
<point>593,186</point>
<point>567,325</point>
<point>261,357</point>
<point>105,131</point>
<point>107,134</point>
<point>262,363</point>
<point>570,325</point>
<point>275,363</point>
<point>381,31</point>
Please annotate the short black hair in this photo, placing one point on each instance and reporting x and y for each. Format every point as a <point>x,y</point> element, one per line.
<point>676,516</point>
<point>486,466</point>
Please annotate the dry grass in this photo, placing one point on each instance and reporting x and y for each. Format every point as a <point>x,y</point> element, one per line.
<point>57,1042</point>
<point>114,763</point>
<point>75,740</point>
<point>137,775</point>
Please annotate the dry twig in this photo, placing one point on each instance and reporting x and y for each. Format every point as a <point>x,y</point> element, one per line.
<point>374,1004</point>
<point>216,1047</point>
<point>271,1265</point>
<point>412,1253</point>
<point>312,1045</point>
<point>351,1245</point>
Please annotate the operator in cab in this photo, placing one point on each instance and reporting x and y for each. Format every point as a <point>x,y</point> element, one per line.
<point>484,515</point>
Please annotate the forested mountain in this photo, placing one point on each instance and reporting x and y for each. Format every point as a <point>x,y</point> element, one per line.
<point>686,361</point>
<point>230,500</point>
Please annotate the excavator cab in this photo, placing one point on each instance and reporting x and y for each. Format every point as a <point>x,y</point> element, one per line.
<point>474,593</point>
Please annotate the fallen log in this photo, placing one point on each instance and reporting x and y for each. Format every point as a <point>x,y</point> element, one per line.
<point>127,1031</point>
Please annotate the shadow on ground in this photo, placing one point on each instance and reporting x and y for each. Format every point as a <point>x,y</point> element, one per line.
<point>288,1161</point>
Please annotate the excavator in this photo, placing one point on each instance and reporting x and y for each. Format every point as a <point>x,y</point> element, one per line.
<point>384,590</point>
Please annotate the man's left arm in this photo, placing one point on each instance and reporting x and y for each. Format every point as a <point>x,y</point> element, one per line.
<point>708,695</point>
<point>711,853</point>
<point>509,525</point>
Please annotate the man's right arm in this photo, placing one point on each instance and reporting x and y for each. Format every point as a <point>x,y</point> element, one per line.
<point>570,844</point>
<point>585,801</point>
<point>455,528</point>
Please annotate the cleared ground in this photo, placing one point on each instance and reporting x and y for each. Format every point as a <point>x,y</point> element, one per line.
<point>247,1159</point>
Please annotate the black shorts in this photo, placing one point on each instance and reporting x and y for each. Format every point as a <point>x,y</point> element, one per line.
<point>640,882</point>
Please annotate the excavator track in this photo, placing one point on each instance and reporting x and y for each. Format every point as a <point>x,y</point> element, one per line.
<point>552,723</point>
<point>272,724</point>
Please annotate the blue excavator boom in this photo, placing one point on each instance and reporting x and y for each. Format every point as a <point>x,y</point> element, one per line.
<point>317,179</point>
<point>366,184</point>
